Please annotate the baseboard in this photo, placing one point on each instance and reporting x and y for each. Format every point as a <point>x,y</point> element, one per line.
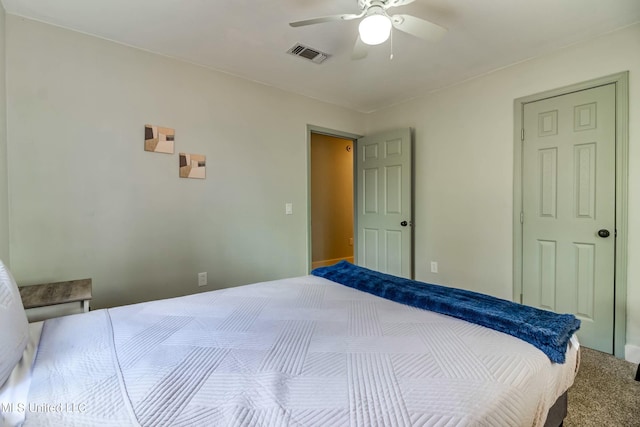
<point>326,262</point>
<point>632,353</point>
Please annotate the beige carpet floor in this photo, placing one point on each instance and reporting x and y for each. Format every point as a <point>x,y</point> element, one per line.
<point>604,393</point>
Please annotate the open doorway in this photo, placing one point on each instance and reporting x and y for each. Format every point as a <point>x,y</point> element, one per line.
<point>332,201</point>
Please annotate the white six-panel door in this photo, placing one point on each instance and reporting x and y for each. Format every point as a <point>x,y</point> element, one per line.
<point>569,208</point>
<point>384,223</point>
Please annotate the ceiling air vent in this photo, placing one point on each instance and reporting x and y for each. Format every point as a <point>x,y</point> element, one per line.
<point>306,52</point>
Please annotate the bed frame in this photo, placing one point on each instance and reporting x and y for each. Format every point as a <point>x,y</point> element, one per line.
<point>557,412</point>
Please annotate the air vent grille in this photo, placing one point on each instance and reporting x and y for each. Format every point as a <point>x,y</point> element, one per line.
<point>313,55</point>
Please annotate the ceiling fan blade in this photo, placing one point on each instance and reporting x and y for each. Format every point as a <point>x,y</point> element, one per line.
<point>398,3</point>
<point>343,17</point>
<point>360,50</point>
<point>418,27</point>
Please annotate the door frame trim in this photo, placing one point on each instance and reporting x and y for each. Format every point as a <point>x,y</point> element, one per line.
<point>621,82</point>
<point>338,134</point>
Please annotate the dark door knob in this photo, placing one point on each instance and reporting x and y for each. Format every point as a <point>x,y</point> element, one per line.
<point>603,233</point>
<point>404,223</point>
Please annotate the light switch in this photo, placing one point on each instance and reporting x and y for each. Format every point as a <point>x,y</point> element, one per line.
<point>202,279</point>
<point>288,208</point>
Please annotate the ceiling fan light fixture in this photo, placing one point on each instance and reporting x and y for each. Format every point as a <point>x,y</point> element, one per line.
<point>375,29</point>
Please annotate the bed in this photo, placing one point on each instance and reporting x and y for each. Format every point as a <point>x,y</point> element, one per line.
<point>304,351</point>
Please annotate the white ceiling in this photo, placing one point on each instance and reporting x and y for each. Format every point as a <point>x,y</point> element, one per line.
<point>249,38</point>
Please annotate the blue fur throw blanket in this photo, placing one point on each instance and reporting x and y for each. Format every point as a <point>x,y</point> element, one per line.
<point>548,331</point>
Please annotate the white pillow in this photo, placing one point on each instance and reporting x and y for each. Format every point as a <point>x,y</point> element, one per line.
<point>14,327</point>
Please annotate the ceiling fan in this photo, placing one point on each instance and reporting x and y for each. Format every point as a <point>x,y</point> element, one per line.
<point>376,26</point>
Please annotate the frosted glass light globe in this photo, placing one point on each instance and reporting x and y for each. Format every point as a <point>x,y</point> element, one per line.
<point>374,29</point>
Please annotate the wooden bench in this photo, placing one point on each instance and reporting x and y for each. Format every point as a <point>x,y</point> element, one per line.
<point>56,299</point>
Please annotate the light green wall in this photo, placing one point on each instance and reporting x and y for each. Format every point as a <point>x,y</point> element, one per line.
<point>4,186</point>
<point>87,201</point>
<point>464,165</point>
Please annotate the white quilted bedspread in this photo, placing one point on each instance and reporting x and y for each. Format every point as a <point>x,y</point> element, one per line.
<point>294,352</point>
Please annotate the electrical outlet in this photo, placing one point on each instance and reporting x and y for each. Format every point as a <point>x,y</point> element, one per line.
<point>288,208</point>
<point>202,279</point>
<point>434,266</point>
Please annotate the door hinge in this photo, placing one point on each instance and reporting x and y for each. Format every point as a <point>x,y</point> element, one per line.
<point>520,298</point>
<point>521,217</point>
<point>522,134</point>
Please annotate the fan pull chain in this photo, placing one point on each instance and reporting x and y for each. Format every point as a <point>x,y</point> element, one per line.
<point>391,55</point>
